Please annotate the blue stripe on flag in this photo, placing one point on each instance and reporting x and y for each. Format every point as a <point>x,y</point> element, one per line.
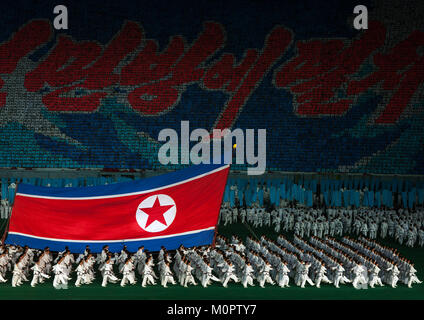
<point>121,188</point>
<point>189,240</point>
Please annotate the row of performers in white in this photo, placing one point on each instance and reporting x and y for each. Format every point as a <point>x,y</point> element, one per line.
<point>361,263</point>
<point>403,226</point>
<point>189,265</point>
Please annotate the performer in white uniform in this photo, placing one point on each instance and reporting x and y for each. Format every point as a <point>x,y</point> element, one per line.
<point>229,274</point>
<point>60,280</point>
<point>188,276</point>
<point>374,277</point>
<point>108,274</point>
<point>411,276</point>
<point>303,275</point>
<point>393,277</point>
<point>38,274</point>
<point>166,275</point>
<point>18,273</point>
<point>149,275</point>
<point>248,275</point>
<point>264,276</point>
<point>321,276</point>
<point>81,273</point>
<point>359,281</point>
<point>128,273</point>
<point>207,275</point>
<point>282,277</point>
<point>4,261</point>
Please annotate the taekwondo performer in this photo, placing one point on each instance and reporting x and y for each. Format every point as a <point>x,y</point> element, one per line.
<point>108,275</point>
<point>411,275</point>
<point>4,261</point>
<point>60,254</point>
<point>188,276</point>
<point>18,273</point>
<point>303,276</point>
<point>83,255</point>
<point>248,275</point>
<point>177,263</point>
<point>120,260</point>
<point>264,276</point>
<point>163,260</point>
<point>181,270</point>
<point>67,262</point>
<point>140,258</point>
<point>282,276</point>
<point>149,275</point>
<point>46,260</point>
<point>166,275</point>
<point>60,280</point>
<point>101,258</point>
<point>128,273</point>
<point>321,276</point>
<point>207,275</point>
<point>359,281</point>
<point>393,276</point>
<point>38,274</point>
<point>229,274</point>
<point>89,266</point>
<point>81,273</point>
<point>374,278</point>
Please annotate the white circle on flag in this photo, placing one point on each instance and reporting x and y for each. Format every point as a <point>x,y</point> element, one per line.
<point>156,213</point>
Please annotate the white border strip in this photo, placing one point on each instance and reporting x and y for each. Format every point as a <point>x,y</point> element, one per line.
<point>124,194</point>
<point>113,241</point>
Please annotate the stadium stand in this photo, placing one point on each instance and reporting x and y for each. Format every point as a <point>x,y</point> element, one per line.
<point>343,112</point>
<point>366,119</point>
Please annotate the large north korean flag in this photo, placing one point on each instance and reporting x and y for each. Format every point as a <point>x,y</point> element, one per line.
<point>176,208</point>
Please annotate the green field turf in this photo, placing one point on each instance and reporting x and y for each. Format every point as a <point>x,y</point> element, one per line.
<point>216,291</point>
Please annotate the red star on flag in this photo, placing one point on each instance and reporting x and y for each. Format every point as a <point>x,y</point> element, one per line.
<point>156,212</point>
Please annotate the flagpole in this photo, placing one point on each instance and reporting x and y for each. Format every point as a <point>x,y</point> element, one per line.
<point>214,237</point>
<point>217,220</point>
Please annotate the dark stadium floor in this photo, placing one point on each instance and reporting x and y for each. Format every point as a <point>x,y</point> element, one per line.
<point>233,292</point>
